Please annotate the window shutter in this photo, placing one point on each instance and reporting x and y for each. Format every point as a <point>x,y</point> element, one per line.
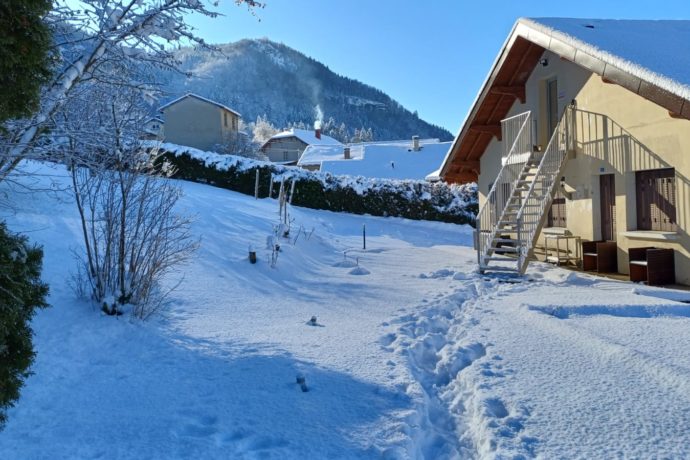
<point>656,199</point>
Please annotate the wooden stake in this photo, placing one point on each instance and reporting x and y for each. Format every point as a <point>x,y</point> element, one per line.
<point>270,187</point>
<point>256,185</point>
<point>292,189</point>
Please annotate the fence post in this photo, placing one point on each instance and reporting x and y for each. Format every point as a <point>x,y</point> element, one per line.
<point>292,189</point>
<point>256,185</point>
<point>270,187</point>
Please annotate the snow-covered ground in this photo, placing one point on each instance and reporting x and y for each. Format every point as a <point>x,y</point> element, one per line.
<point>414,354</point>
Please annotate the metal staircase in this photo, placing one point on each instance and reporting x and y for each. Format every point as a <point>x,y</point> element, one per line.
<point>510,220</point>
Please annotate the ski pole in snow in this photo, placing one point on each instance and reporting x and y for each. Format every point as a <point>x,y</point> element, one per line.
<point>364,236</point>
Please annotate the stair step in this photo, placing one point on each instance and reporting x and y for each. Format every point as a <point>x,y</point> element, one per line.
<point>524,214</point>
<point>500,269</point>
<point>500,259</point>
<point>504,240</point>
<point>504,249</point>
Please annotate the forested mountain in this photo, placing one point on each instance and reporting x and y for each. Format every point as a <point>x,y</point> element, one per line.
<point>261,77</point>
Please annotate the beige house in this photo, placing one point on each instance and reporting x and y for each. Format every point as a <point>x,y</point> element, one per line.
<point>581,132</point>
<point>287,147</point>
<point>198,122</point>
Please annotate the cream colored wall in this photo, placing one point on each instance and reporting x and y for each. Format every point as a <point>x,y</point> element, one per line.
<point>197,124</point>
<point>619,133</point>
<point>571,78</point>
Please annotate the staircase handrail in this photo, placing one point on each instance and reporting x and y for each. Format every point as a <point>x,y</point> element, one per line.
<point>553,155</point>
<point>484,213</point>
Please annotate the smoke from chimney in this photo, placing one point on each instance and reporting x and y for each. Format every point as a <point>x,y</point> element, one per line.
<point>318,114</point>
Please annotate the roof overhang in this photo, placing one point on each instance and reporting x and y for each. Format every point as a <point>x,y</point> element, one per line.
<point>506,83</point>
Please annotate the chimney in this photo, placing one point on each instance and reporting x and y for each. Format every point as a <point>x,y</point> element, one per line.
<point>317,129</point>
<point>415,143</point>
<point>346,153</point>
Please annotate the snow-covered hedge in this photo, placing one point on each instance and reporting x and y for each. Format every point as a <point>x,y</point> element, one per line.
<point>358,195</point>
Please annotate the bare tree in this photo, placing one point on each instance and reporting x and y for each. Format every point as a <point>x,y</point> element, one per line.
<point>99,32</point>
<point>132,236</point>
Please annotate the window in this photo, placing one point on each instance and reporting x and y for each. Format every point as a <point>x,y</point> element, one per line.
<point>557,211</point>
<point>656,199</point>
<point>285,155</point>
<point>225,119</point>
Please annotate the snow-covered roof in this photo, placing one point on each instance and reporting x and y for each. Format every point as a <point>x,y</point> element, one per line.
<point>196,96</point>
<point>390,159</point>
<point>315,154</point>
<point>156,120</point>
<point>657,51</point>
<point>306,136</point>
<point>648,57</point>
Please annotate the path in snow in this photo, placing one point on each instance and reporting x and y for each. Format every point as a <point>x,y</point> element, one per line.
<point>562,364</point>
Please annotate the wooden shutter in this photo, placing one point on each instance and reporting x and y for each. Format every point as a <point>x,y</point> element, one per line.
<point>656,200</point>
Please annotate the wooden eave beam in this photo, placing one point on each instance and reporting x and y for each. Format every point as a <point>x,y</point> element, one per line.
<point>517,91</point>
<point>493,129</point>
<point>464,165</point>
<point>678,115</point>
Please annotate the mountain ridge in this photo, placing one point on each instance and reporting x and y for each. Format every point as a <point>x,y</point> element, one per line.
<point>260,77</point>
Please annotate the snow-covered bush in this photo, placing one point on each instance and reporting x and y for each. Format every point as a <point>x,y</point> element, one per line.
<point>132,236</point>
<point>358,195</point>
<point>21,292</point>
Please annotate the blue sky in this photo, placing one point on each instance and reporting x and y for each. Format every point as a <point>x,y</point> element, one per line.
<point>431,55</point>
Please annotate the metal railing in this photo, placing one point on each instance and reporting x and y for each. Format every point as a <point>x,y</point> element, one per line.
<point>540,194</point>
<point>517,141</point>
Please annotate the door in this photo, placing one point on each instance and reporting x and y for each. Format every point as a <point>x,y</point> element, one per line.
<point>607,193</point>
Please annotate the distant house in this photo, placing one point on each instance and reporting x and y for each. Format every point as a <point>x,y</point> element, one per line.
<point>413,159</point>
<point>153,129</point>
<point>198,122</point>
<point>287,147</point>
<point>582,130</point>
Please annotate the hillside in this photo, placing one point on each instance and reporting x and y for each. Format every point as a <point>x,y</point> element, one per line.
<point>260,77</point>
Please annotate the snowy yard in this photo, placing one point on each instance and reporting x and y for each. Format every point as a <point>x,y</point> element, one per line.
<point>414,355</point>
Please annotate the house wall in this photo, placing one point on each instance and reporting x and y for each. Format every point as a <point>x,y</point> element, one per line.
<point>197,124</point>
<point>284,149</point>
<point>571,78</point>
<point>618,132</point>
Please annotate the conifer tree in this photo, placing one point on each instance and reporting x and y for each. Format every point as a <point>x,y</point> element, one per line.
<point>24,66</point>
<point>21,292</point>
<point>24,55</point>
